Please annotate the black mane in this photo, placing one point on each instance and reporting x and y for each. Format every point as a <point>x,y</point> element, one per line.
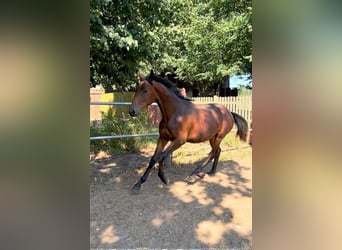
<point>168,84</point>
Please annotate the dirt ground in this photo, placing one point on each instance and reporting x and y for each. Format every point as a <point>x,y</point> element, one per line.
<point>215,212</point>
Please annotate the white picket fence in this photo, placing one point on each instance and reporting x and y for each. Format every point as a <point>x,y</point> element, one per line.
<point>241,105</point>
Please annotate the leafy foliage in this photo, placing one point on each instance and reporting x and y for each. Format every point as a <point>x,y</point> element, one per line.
<point>203,40</point>
<point>118,123</point>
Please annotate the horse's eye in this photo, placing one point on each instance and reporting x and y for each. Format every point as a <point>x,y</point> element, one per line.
<point>145,91</point>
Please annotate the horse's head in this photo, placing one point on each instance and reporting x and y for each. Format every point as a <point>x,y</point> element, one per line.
<point>143,96</point>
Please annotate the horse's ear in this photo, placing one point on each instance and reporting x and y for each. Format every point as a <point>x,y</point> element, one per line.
<point>150,77</point>
<point>140,76</point>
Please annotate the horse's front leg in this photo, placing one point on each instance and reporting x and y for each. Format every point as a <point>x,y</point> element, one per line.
<point>164,155</point>
<point>168,162</point>
<point>160,146</point>
<point>175,144</point>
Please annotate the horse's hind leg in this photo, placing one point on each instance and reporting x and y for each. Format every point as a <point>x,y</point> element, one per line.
<point>200,167</point>
<point>161,173</point>
<point>214,154</point>
<point>213,169</point>
<point>191,179</point>
<point>215,143</point>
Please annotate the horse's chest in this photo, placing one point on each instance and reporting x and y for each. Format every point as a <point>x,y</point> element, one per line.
<point>163,130</point>
<point>166,134</point>
<point>168,131</point>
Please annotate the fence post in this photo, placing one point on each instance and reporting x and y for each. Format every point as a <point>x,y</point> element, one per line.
<point>95,110</point>
<point>215,98</point>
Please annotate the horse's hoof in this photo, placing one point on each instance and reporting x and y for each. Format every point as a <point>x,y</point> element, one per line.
<point>136,187</point>
<point>163,179</point>
<point>190,179</point>
<point>166,181</point>
<point>211,173</point>
<point>201,175</point>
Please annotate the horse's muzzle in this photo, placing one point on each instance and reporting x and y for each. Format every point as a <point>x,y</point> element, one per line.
<point>132,112</point>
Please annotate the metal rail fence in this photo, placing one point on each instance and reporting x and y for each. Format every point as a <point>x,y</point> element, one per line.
<point>132,135</point>
<point>119,136</point>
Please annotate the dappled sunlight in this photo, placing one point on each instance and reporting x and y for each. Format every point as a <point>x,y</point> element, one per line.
<point>140,170</point>
<point>117,179</point>
<point>113,164</point>
<point>108,235</point>
<point>236,199</point>
<point>101,155</point>
<point>214,212</point>
<point>105,170</point>
<point>241,208</point>
<point>217,211</point>
<point>188,193</point>
<point>210,232</point>
<point>232,212</point>
<point>163,217</point>
<point>219,179</point>
<point>157,222</point>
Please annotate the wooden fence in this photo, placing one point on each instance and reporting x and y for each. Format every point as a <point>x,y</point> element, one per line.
<point>241,105</point>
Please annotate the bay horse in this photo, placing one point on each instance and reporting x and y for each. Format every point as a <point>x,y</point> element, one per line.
<point>183,121</point>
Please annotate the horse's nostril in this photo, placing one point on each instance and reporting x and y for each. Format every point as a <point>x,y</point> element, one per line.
<point>131,112</point>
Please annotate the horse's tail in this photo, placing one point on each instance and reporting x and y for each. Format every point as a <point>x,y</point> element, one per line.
<point>242,126</point>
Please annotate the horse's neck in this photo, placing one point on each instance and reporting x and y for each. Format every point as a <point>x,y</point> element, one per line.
<point>166,100</point>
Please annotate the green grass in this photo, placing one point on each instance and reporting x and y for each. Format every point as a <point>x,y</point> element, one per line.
<point>191,153</point>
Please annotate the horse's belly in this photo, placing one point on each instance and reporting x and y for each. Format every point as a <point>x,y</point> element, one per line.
<point>202,132</point>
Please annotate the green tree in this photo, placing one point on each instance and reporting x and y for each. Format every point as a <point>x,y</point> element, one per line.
<point>204,40</point>
<point>217,41</point>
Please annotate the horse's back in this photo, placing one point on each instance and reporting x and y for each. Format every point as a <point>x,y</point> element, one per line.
<point>205,121</point>
<point>227,121</point>
<point>220,110</point>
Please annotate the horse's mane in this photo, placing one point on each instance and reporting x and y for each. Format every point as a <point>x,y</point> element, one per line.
<point>168,84</point>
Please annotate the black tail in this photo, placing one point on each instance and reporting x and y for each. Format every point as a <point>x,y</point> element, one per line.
<point>242,126</point>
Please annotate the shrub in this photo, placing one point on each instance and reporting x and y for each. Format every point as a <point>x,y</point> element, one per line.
<point>116,121</point>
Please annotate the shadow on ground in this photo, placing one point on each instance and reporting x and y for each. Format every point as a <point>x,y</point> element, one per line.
<point>215,212</point>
